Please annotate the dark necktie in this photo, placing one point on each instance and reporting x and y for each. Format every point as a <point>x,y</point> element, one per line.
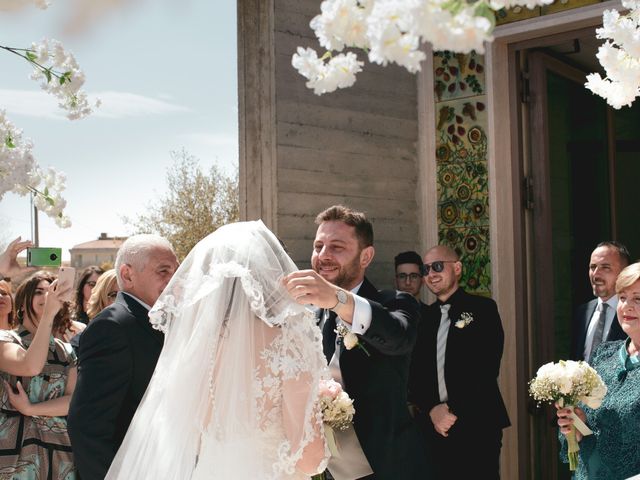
<point>329,334</point>
<point>599,332</point>
<point>441,348</point>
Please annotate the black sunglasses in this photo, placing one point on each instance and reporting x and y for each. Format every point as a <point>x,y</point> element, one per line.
<point>437,266</point>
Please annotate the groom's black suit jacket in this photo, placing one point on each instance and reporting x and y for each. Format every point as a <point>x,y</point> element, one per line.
<point>118,353</point>
<point>472,364</point>
<point>378,384</point>
<point>580,325</point>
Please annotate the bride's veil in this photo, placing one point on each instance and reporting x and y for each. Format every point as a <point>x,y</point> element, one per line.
<point>235,343</point>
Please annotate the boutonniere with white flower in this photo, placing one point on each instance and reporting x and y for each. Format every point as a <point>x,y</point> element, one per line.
<point>349,339</point>
<point>465,319</point>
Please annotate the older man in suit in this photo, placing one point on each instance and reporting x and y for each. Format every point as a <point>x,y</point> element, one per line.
<point>453,381</point>
<point>384,444</point>
<point>118,353</point>
<point>596,321</point>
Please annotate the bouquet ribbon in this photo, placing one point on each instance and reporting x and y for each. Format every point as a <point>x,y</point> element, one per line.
<point>580,425</point>
<point>332,442</point>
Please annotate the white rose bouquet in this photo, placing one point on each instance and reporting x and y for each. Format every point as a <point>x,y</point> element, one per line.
<point>568,382</point>
<point>337,411</point>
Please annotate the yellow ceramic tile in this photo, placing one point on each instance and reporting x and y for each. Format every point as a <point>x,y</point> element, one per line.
<point>516,14</point>
<point>561,5</point>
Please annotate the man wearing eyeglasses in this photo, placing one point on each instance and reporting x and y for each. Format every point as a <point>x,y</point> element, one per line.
<point>409,273</point>
<point>454,374</point>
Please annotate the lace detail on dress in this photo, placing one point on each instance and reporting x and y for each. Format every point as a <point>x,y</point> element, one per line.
<point>284,360</point>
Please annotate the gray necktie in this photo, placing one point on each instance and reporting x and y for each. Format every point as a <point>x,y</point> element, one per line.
<point>441,348</point>
<point>599,332</point>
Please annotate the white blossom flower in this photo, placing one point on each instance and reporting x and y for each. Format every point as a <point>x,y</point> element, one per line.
<point>619,57</point>
<point>339,72</point>
<point>393,30</point>
<point>59,74</point>
<point>341,23</point>
<point>20,173</point>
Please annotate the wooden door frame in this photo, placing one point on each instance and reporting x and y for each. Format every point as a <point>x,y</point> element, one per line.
<point>539,65</point>
<point>510,260</point>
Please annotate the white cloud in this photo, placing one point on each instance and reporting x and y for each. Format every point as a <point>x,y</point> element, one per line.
<point>34,103</point>
<point>125,104</point>
<point>30,103</point>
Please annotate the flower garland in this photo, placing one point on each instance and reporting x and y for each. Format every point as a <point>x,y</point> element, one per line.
<point>619,56</point>
<point>58,73</point>
<point>391,31</point>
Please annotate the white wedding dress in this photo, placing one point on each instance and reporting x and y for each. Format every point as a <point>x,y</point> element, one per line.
<point>234,393</point>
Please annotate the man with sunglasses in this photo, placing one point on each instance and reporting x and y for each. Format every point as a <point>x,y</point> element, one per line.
<point>454,374</point>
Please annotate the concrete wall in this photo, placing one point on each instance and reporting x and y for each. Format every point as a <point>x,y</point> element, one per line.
<point>356,146</point>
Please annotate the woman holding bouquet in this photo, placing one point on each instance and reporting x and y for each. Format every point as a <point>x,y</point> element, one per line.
<point>613,451</point>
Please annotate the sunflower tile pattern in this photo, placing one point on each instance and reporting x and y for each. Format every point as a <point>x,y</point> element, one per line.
<point>461,156</point>
<point>473,246</point>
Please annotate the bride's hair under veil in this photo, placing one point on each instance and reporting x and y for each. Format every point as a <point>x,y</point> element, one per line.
<point>234,391</point>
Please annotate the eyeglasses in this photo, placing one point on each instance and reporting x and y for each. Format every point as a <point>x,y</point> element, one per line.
<point>412,277</point>
<point>112,295</point>
<point>437,266</point>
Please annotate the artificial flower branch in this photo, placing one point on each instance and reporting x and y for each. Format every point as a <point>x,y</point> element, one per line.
<point>58,74</point>
<point>619,56</point>
<point>392,31</point>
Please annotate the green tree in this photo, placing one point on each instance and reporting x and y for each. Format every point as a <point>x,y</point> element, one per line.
<point>196,204</point>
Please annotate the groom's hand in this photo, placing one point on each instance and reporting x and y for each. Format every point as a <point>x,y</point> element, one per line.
<point>307,287</point>
<point>442,419</point>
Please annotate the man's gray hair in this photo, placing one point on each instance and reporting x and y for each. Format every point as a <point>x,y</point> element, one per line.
<point>135,252</point>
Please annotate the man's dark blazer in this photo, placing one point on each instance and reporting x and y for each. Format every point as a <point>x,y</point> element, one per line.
<point>118,353</point>
<point>472,365</point>
<point>580,325</point>
<point>378,384</point>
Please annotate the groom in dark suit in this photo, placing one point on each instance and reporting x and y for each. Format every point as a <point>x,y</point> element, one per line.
<point>374,372</point>
<point>453,381</point>
<point>596,321</point>
<point>118,353</point>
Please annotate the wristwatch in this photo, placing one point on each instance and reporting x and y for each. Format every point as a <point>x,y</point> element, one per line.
<point>341,297</point>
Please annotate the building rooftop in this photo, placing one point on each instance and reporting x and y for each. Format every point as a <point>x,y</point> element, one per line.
<point>103,241</point>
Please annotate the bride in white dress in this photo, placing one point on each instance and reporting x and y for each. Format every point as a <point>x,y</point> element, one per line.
<point>234,392</point>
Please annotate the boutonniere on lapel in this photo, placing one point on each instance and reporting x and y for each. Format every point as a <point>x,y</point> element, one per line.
<point>465,319</point>
<point>349,339</point>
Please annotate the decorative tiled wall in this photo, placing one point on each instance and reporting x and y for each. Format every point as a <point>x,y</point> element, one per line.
<point>461,156</point>
<point>516,14</point>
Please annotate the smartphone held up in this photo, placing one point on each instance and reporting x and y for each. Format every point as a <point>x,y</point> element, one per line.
<point>66,279</point>
<point>44,257</point>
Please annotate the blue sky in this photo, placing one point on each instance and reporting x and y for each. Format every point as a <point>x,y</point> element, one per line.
<point>166,72</point>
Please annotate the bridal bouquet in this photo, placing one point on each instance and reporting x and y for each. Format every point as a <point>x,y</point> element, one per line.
<point>568,382</point>
<point>336,406</point>
<point>337,411</point>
